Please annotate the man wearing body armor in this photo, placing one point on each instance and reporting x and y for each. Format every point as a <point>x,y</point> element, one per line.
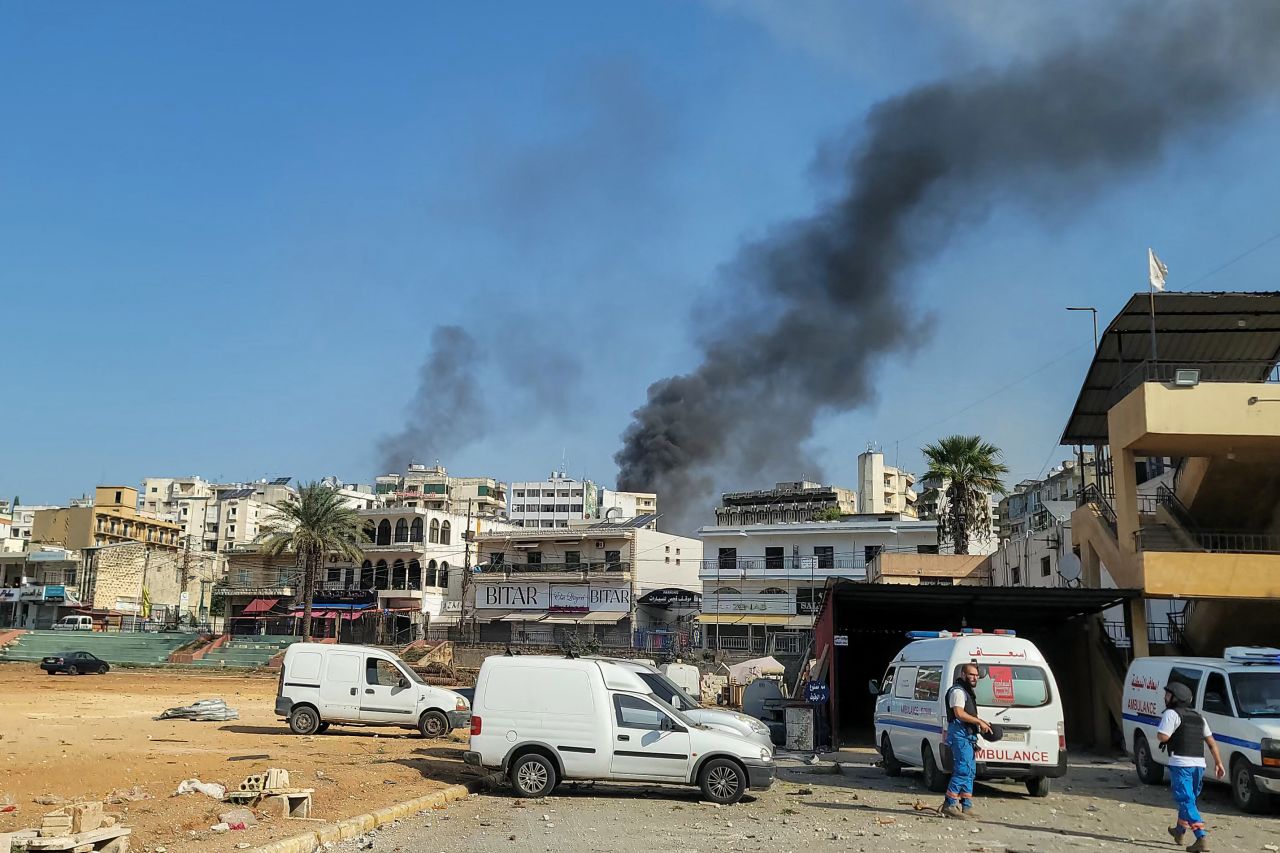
<point>963,727</point>
<point>1183,734</point>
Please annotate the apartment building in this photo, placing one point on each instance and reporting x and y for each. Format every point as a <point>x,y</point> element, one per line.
<point>784,503</point>
<point>112,517</point>
<point>883,488</point>
<point>36,585</point>
<point>613,583</point>
<point>615,506</point>
<point>555,502</point>
<point>1034,528</point>
<point>431,487</point>
<point>763,583</point>
<point>23,517</point>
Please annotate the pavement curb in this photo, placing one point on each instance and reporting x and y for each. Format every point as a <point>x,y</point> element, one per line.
<point>341,830</point>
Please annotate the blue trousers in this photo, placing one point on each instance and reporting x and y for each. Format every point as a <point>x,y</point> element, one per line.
<point>963,765</point>
<point>1185,783</point>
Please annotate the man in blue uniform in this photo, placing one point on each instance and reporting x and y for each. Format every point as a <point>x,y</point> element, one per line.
<point>1183,733</point>
<point>963,727</point>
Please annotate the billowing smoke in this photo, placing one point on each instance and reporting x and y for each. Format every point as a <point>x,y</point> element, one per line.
<point>446,411</point>
<point>825,298</point>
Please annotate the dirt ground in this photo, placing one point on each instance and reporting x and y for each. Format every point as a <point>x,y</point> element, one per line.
<point>85,737</point>
<point>1100,805</point>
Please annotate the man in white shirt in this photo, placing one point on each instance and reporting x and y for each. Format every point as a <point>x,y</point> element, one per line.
<point>1183,734</point>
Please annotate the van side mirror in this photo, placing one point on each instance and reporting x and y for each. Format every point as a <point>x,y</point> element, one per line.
<point>665,724</point>
<point>404,683</point>
<point>873,687</point>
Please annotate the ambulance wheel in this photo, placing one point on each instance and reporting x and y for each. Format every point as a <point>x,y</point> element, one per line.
<point>1148,770</point>
<point>932,775</point>
<point>1038,786</point>
<point>1244,791</point>
<point>891,765</point>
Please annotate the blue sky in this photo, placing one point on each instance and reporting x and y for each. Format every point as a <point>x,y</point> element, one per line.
<point>229,229</point>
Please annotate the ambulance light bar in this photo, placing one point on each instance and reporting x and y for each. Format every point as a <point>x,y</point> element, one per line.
<point>1252,655</point>
<point>943,635</point>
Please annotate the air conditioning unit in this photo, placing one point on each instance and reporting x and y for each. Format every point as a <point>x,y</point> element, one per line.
<point>599,543</point>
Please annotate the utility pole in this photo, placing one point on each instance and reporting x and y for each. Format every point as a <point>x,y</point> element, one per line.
<point>466,565</point>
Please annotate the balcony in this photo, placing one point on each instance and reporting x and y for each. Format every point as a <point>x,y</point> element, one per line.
<point>783,568</point>
<point>589,569</point>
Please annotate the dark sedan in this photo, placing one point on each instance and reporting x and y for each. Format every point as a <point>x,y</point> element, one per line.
<point>74,663</point>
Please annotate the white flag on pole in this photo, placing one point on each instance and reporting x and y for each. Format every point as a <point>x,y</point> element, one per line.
<point>1156,270</point>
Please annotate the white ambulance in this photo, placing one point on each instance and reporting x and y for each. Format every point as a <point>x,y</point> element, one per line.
<point>1238,695</point>
<point>1016,689</point>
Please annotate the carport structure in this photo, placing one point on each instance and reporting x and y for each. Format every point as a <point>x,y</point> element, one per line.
<point>873,620</point>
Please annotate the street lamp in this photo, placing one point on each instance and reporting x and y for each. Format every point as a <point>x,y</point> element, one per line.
<point>1093,311</point>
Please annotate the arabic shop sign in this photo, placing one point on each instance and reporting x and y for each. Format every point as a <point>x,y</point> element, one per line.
<point>672,597</point>
<point>749,604</point>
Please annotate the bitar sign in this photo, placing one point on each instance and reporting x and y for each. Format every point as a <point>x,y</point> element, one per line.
<point>554,598</point>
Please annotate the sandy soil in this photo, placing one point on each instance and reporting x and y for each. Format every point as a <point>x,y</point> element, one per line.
<point>84,737</point>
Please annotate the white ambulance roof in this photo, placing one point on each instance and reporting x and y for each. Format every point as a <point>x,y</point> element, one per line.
<point>984,647</point>
<point>1212,663</point>
<point>616,676</point>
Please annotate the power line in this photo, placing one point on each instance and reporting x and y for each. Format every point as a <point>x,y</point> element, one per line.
<point>1240,257</point>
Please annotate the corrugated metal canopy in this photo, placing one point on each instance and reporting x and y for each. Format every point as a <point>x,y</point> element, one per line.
<point>1228,337</point>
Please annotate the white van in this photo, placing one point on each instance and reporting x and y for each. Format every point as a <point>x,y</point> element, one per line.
<point>543,720</point>
<point>1239,696</point>
<point>1015,689</point>
<point>661,685</point>
<point>74,623</point>
<point>322,684</point>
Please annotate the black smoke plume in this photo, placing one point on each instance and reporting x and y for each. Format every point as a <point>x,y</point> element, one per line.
<point>446,411</point>
<point>826,298</point>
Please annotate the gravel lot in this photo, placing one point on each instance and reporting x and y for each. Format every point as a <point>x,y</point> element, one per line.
<point>1099,804</point>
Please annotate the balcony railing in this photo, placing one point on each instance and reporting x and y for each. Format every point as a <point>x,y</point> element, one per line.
<point>1259,370</point>
<point>739,566</point>
<point>595,567</point>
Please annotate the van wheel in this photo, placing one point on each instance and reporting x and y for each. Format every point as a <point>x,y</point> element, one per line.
<point>533,775</point>
<point>1244,792</point>
<point>1148,770</point>
<point>304,720</point>
<point>1038,786</point>
<point>722,781</point>
<point>932,775</point>
<point>892,767</point>
<point>433,724</point>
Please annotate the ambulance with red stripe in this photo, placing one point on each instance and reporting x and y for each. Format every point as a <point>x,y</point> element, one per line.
<point>1016,690</point>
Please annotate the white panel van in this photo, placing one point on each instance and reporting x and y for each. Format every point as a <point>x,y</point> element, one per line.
<point>1016,689</point>
<point>543,719</point>
<point>321,684</point>
<point>1239,697</point>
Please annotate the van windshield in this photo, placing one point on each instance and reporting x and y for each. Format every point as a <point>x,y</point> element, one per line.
<point>1257,693</point>
<point>1010,685</point>
<point>668,691</point>
<point>409,673</point>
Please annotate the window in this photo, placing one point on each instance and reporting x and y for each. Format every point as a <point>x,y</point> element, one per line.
<point>905,685</point>
<point>563,493</point>
<point>442,577</point>
<point>446,534</point>
<point>667,559</point>
<point>1188,676</point>
<point>575,507</point>
<point>612,561</point>
<point>1015,576</point>
<point>869,552</point>
<point>548,493</point>
<point>548,523</point>
<point>519,493</point>
<point>728,559</point>
<point>533,558</point>
<point>496,558</point>
<point>1257,693</point>
<point>928,683</point>
<point>382,673</point>
<point>118,494</point>
<point>384,532</point>
<point>825,556</point>
<point>232,512</point>
<point>773,559</point>
<point>573,558</point>
<point>68,577</point>
<point>154,490</point>
<point>1215,699</point>
<point>434,531</point>
<point>242,577</point>
<point>335,575</point>
<point>402,530</point>
<point>926,549</point>
<point>635,713</point>
<point>886,686</point>
<point>1046,567</point>
<point>1010,686</point>
<point>415,530</point>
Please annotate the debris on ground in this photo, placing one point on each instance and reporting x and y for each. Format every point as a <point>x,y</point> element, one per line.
<point>205,710</point>
<point>209,789</point>
<point>238,816</point>
<point>125,795</point>
<point>49,800</point>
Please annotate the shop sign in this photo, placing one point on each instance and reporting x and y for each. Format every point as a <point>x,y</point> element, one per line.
<point>749,604</point>
<point>569,599</point>
<point>9,594</point>
<point>55,593</point>
<point>563,598</point>
<point>672,597</point>
<point>31,593</point>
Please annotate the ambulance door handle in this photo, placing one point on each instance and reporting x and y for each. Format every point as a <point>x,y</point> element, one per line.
<point>353,691</point>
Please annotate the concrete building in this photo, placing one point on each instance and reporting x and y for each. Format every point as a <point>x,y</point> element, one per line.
<point>1207,538</point>
<point>111,518</point>
<point>557,501</point>
<point>616,506</point>
<point>784,503</point>
<point>883,488</point>
<point>162,585</point>
<point>433,488</point>
<point>355,495</point>
<point>1034,523</point>
<point>23,519</point>
<point>38,586</point>
<point>609,583</point>
<point>762,583</point>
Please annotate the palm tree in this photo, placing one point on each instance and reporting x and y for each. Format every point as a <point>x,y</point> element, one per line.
<point>969,471</point>
<point>314,523</point>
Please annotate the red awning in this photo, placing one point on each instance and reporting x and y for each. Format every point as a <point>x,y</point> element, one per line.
<point>260,605</point>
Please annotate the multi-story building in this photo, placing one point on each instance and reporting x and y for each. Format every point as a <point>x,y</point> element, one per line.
<point>557,501</point>
<point>432,488</point>
<point>166,586</point>
<point>355,495</point>
<point>763,583</point>
<point>610,583</point>
<point>615,506</point>
<point>1034,525</point>
<point>36,585</point>
<point>111,518</point>
<point>23,519</point>
<point>784,503</point>
<point>883,488</point>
